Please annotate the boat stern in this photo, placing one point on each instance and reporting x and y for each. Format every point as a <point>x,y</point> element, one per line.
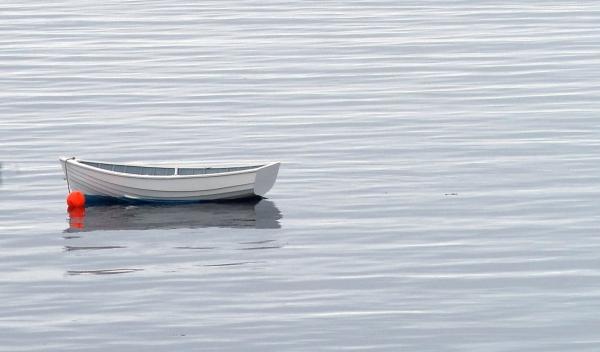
<point>265,178</point>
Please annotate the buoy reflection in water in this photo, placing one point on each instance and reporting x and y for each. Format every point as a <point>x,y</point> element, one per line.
<point>76,217</point>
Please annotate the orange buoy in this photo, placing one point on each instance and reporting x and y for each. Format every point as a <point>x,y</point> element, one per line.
<point>76,199</point>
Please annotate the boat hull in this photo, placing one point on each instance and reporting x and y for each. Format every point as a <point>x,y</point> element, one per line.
<point>229,185</point>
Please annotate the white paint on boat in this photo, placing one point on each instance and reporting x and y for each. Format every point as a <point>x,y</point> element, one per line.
<point>165,183</point>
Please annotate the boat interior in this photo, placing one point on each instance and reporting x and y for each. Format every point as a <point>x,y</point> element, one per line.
<point>165,171</point>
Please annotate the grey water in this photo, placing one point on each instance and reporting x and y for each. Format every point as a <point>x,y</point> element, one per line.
<point>439,188</point>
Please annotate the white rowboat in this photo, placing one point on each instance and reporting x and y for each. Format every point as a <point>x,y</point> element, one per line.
<point>168,183</point>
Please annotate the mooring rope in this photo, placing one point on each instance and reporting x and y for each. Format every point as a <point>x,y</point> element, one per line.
<point>67,172</point>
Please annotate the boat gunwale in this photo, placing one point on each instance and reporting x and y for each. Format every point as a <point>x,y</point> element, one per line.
<point>75,161</point>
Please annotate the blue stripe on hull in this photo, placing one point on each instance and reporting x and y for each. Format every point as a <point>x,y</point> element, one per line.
<point>92,200</point>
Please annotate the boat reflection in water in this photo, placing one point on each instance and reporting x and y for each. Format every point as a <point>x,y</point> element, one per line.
<point>253,213</point>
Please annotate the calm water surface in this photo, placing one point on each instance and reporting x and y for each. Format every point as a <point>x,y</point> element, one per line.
<point>439,189</point>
